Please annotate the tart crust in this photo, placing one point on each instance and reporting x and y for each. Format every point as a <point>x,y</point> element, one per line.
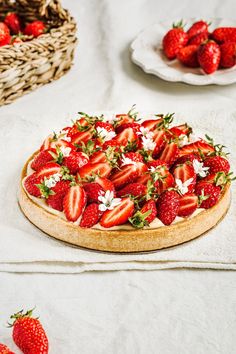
<point>123,241</point>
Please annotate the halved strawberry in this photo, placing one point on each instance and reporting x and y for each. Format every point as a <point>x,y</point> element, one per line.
<point>101,168</point>
<point>134,126</point>
<point>61,143</point>
<point>151,123</point>
<point>104,125</point>
<point>123,119</point>
<point>98,156</point>
<point>80,125</point>
<point>208,193</point>
<point>170,153</point>
<point>134,189</point>
<point>143,179</point>
<point>75,161</point>
<point>42,158</point>
<point>133,156</point>
<point>48,169</point>
<point>91,215</point>
<point>126,174</point>
<point>119,215</point>
<point>185,172</point>
<point>82,136</point>
<point>162,179</point>
<point>189,157</point>
<point>159,138</point>
<point>156,163</point>
<point>127,135</point>
<point>183,129</point>
<point>74,202</point>
<point>144,216</point>
<point>31,183</point>
<point>188,204</point>
<point>199,147</point>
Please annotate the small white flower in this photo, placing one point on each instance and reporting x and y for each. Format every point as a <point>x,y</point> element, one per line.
<point>65,151</point>
<point>199,168</point>
<point>152,169</point>
<point>148,144</point>
<point>67,138</point>
<point>52,180</point>
<point>127,161</point>
<point>183,140</point>
<point>183,186</point>
<point>104,134</point>
<point>110,119</point>
<point>145,132</point>
<point>108,202</point>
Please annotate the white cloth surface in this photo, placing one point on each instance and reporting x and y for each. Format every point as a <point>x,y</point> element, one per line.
<point>171,311</point>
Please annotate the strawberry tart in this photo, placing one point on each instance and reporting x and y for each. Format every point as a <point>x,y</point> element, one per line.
<point>126,183</point>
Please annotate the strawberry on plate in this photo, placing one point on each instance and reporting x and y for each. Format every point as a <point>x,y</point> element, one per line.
<point>188,204</point>
<point>198,38</point>
<point>197,28</point>
<point>228,54</point>
<point>209,56</point>
<point>91,215</point>
<point>4,349</point>
<point>119,215</point>
<point>188,56</point>
<point>168,206</point>
<point>74,202</point>
<point>174,40</point>
<point>224,34</point>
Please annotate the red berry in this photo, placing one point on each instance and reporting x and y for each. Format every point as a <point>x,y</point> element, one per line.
<point>228,54</point>
<point>173,41</point>
<point>42,158</point>
<point>91,215</point>
<point>208,193</point>
<point>119,215</point>
<point>5,37</point>
<point>187,205</point>
<point>168,206</point>
<point>35,29</point>
<point>144,216</point>
<point>224,34</point>
<point>55,200</point>
<point>74,203</point>
<point>217,164</point>
<point>198,39</point>
<point>30,184</point>
<point>197,28</point>
<point>93,191</point>
<point>4,349</point>
<point>188,56</point>
<point>75,161</point>
<point>209,57</point>
<point>134,189</point>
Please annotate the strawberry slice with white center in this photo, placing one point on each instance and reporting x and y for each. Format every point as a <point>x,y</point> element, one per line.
<point>170,153</point>
<point>188,204</point>
<point>61,143</point>
<point>103,169</point>
<point>82,136</point>
<point>98,156</point>
<point>74,203</point>
<point>183,129</point>
<point>127,174</point>
<point>151,123</point>
<point>49,169</point>
<point>185,172</point>
<point>123,119</point>
<point>127,135</point>
<point>119,215</point>
<point>199,146</point>
<point>162,179</point>
<point>105,183</point>
<point>159,138</point>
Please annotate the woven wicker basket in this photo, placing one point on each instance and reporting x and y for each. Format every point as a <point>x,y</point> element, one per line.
<point>26,66</point>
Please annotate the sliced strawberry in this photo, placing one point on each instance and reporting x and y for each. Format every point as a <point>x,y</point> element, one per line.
<point>75,161</point>
<point>42,158</point>
<point>48,169</point>
<point>61,143</point>
<point>119,215</point>
<point>199,147</point>
<point>162,179</point>
<point>98,156</point>
<point>151,123</point>
<point>133,156</point>
<point>170,153</point>
<point>126,174</point>
<point>127,135</point>
<point>159,138</point>
<point>185,172</point>
<point>91,215</point>
<point>183,129</point>
<point>143,179</point>
<point>103,169</point>
<point>81,125</point>
<point>156,163</point>
<point>55,200</point>
<point>82,136</point>
<point>105,183</point>
<point>93,191</point>
<point>123,119</point>
<point>168,206</point>
<point>30,184</point>
<point>189,157</point>
<point>144,216</point>
<point>104,125</point>
<point>187,205</point>
<point>134,126</point>
<point>134,189</point>
<point>74,202</point>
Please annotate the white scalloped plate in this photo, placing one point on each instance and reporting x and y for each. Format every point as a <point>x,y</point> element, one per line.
<point>147,53</point>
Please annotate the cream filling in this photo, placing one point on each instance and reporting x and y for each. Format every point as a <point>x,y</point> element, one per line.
<point>156,223</point>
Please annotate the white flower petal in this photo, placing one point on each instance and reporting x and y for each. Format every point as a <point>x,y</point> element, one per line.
<point>102,207</point>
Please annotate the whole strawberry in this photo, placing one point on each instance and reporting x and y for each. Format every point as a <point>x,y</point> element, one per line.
<point>197,28</point>
<point>75,161</point>
<point>42,158</point>
<point>209,57</point>
<point>93,191</point>
<point>168,206</point>
<point>30,184</point>
<point>13,21</point>
<point>188,56</point>
<point>228,54</point>
<point>174,39</point>
<point>28,333</point>
<point>4,349</point>
<point>5,37</point>
<point>208,193</point>
<point>35,29</point>
<point>224,34</point>
<point>217,164</point>
<point>199,38</point>
<point>57,194</point>
<point>91,215</point>
<point>144,216</point>
<point>134,189</point>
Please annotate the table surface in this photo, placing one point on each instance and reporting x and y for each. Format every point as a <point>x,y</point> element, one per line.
<point>168,311</point>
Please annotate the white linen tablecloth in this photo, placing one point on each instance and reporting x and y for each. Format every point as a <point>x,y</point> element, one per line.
<point>171,311</point>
